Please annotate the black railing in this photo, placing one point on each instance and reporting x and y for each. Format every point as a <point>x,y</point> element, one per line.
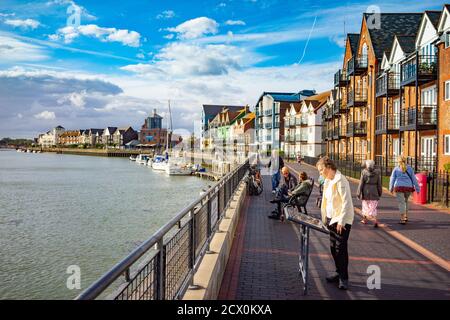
<point>357,128</point>
<point>359,96</point>
<point>163,266</point>
<point>340,78</point>
<point>426,116</point>
<point>359,62</point>
<point>387,82</point>
<point>419,66</point>
<point>391,123</point>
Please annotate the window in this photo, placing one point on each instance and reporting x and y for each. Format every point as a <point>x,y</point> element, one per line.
<point>447,90</point>
<point>447,39</point>
<point>447,145</point>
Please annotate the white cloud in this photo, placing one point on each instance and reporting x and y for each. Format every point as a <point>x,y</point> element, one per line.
<point>76,99</point>
<point>5,15</point>
<point>25,24</point>
<point>222,4</point>
<point>127,38</point>
<point>12,50</point>
<point>140,56</point>
<point>196,28</point>
<point>168,14</point>
<point>235,23</point>
<point>169,36</point>
<point>46,115</point>
<point>65,3</point>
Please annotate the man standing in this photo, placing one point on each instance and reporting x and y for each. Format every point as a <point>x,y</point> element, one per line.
<point>276,162</point>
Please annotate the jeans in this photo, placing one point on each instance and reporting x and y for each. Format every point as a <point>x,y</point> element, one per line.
<point>275,180</point>
<point>339,249</point>
<point>402,198</point>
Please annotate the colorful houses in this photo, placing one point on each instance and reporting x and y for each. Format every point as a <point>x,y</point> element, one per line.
<point>152,133</point>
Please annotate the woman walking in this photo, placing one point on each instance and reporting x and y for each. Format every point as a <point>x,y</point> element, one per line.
<point>338,214</point>
<point>403,182</point>
<point>370,191</point>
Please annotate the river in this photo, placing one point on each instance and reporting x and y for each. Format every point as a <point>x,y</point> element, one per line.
<point>62,210</point>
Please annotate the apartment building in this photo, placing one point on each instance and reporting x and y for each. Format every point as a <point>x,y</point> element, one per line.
<point>269,110</point>
<point>443,45</point>
<point>303,127</point>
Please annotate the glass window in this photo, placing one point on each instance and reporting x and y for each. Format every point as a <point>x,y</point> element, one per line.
<point>447,90</point>
<point>447,39</point>
<point>447,145</point>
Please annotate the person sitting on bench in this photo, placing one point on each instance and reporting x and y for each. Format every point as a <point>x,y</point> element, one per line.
<point>302,191</point>
<point>288,183</point>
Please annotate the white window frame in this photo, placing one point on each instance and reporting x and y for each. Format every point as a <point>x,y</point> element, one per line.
<point>447,144</point>
<point>447,90</point>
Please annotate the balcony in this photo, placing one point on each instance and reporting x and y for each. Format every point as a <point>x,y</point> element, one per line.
<point>356,129</point>
<point>304,121</point>
<point>303,137</point>
<point>267,125</point>
<point>387,125</point>
<point>424,118</point>
<point>267,113</point>
<point>286,123</point>
<point>419,68</point>
<point>292,122</point>
<point>357,65</point>
<point>357,98</point>
<point>388,84</point>
<point>340,78</point>
<point>329,114</point>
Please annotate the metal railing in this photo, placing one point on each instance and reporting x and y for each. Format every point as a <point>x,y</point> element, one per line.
<point>339,77</point>
<point>357,127</point>
<point>268,112</point>
<point>358,62</point>
<point>391,123</point>
<point>360,95</point>
<point>426,115</point>
<point>174,251</point>
<point>419,65</point>
<point>387,81</point>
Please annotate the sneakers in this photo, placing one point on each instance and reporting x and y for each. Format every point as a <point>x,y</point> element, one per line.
<point>343,284</point>
<point>273,216</point>
<point>273,191</point>
<point>333,278</point>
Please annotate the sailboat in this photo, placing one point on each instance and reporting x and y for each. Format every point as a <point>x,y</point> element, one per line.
<point>171,166</point>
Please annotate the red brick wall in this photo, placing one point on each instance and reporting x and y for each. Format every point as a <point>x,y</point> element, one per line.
<point>444,106</point>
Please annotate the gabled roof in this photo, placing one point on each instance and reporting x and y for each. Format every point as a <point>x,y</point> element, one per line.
<point>392,24</point>
<point>213,109</point>
<point>445,14</point>
<point>434,17</point>
<point>111,130</point>
<point>319,100</point>
<point>354,40</point>
<point>407,43</point>
<point>59,127</point>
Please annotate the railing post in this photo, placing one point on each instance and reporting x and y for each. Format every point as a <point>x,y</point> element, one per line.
<point>161,276</point>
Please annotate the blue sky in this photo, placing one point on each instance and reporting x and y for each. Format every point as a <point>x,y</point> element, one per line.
<point>128,57</point>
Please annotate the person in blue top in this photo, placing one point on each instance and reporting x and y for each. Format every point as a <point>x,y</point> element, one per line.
<point>403,182</point>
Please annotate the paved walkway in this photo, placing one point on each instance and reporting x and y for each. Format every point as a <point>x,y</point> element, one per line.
<point>264,257</point>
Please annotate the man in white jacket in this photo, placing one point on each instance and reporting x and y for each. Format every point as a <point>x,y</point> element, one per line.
<point>338,213</point>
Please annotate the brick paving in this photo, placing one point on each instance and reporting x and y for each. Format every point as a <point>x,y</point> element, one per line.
<point>264,259</point>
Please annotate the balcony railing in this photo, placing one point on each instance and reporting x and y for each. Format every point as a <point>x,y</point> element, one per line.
<point>268,112</point>
<point>291,122</point>
<point>425,116</point>
<point>387,84</point>
<point>286,123</point>
<point>268,125</point>
<point>340,78</point>
<point>357,65</point>
<point>420,68</point>
<point>391,123</point>
<point>359,96</point>
<point>356,128</point>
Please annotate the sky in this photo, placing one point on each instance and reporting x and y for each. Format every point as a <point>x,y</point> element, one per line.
<point>91,64</point>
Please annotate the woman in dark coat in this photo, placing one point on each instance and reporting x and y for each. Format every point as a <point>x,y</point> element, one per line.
<point>370,191</point>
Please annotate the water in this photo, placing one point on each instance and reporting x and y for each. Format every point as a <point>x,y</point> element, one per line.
<point>62,210</point>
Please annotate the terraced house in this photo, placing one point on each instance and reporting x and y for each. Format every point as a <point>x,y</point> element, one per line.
<point>303,127</point>
<point>386,95</point>
<point>270,110</point>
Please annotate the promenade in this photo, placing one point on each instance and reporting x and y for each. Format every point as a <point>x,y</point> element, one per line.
<point>414,259</point>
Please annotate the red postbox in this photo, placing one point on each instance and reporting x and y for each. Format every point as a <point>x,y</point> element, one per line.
<point>421,197</point>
